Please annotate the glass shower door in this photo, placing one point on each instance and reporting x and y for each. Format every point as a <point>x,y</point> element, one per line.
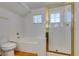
<point>59,40</point>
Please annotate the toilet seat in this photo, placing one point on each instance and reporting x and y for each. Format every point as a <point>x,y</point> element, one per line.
<point>8,45</point>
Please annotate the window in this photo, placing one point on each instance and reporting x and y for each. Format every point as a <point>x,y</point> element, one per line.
<point>37,19</point>
<point>55,18</point>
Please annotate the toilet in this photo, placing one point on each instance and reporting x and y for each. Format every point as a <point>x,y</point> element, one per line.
<point>7,47</point>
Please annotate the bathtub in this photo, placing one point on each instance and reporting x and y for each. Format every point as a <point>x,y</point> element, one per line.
<point>27,45</point>
<point>31,45</point>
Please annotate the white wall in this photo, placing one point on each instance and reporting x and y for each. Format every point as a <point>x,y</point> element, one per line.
<point>77,28</point>
<point>10,26</point>
<point>34,33</point>
<point>31,28</point>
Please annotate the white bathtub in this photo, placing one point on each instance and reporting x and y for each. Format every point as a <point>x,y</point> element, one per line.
<point>32,45</point>
<point>27,45</point>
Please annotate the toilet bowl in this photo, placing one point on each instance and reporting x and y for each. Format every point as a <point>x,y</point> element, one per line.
<point>7,47</point>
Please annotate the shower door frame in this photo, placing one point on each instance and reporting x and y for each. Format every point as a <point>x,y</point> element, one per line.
<point>72,30</point>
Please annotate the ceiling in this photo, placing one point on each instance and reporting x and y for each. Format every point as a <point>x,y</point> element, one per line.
<point>34,5</point>
<point>22,8</point>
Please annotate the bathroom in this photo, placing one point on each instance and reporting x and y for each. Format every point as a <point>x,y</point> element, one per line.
<point>19,25</point>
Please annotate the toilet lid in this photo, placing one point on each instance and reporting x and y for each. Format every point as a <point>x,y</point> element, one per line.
<point>8,44</point>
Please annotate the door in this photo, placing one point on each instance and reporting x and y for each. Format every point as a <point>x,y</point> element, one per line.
<point>59,40</point>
